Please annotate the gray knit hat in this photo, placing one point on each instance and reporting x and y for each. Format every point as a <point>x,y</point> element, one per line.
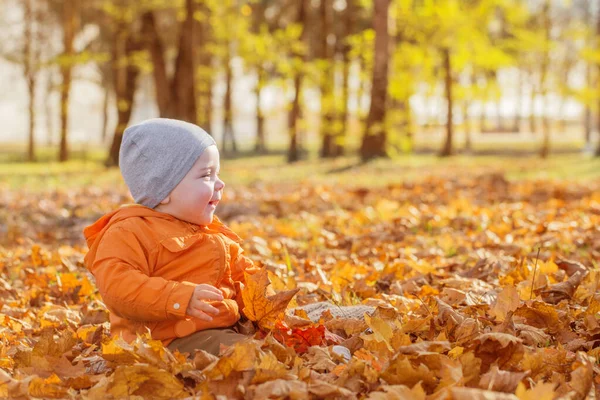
<point>156,154</point>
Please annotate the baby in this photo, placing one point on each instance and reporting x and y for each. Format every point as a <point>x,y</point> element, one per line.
<point>167,263</point>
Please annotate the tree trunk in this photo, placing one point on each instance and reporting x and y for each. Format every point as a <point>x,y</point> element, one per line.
<point>468,142</point>
<point>260,146</point>
<point>327,82</point>
<point>176,98</point>
<point>545,149</point>
<point>498,103</point>
<point>518,103</point>
<point>205,70</point>
<point>532,122</point>
<point>294,151</point>
<point>125,85</point>
<point>447,149</point>
<point>68,14</point>
<point>183,86</point>
<point>30,72</point>
<point>159,71</point>
<point>374,139</point>
<point>105,106</point>
<point>228,133</point>
<point>48,107</point>
<point>587,122</point>
<point>339,144</point>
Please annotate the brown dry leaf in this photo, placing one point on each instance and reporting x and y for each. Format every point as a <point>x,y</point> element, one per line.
<point>564,290</point>
<point>398,392</point>
<point>319,359</point>
<point>540,315</point>
<point>325,390</point>
<point>500,348</point>
<point>463,393</point>
<point>265,310</point>
<point>582,378</point>
<point>447,316</point>
<point>141,380</point>
<point>501,381</point>
<point>49,388</point>
<point>203,359</point>
<point>422,347</point>
<point>571,266</point>
<point>467,331</point>
<point>402,372</point>
<point>269,368</point>
<point>280,389</point>
<point>242,356</point>
<point>507,301</point>
<point>544,362</point>
<point>532,336</point>
<point>349,327</point>
<point>471,368</point>
<point>119,351</point>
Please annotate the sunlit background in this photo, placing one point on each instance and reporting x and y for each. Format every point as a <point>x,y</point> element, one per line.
<point>301,77</point>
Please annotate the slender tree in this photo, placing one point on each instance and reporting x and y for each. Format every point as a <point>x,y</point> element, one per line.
<point>349,20</point>
<point>375,135</point>
<point>326,62</point>
<point>31,60</point>
<point>294,150</point>
<point>544,72</point>
<point>447,149</point>
<point>69,13</point>
<point>228,132</point>
<point>176,96</point>
<point>125,76</point>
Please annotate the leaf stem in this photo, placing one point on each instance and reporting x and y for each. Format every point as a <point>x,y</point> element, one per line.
<point>534,270</point>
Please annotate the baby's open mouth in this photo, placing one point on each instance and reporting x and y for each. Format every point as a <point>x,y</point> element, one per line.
<point>214,202</point>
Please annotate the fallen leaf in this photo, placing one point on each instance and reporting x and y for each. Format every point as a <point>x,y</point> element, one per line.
<point>563,290</point>
<point>507,301</point>
<point>501,381</point>
<point>266,311</point>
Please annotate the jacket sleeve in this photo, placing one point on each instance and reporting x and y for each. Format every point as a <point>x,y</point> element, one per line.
<point>122,275</point>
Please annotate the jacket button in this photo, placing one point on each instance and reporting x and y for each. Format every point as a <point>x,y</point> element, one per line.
<point>176,306</point>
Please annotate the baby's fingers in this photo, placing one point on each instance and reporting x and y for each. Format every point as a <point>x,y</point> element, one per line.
<point>205,308</point>
<point>208,295</point>
<point>209,288</point>
<point>199,314</point>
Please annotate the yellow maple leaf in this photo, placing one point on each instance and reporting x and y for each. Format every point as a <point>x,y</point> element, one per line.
<point>263,309</point>
<point>541,391</point>
<point>382,330</point>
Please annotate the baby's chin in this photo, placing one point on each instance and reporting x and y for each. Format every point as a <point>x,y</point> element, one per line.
<point>205,221</point>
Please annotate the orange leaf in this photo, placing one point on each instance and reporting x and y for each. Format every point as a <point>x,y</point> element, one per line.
<point>260,308</point>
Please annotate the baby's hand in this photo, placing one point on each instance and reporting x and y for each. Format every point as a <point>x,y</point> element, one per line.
<point>198,306</point>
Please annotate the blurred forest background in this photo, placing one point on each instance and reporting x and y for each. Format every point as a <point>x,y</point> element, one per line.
<point>300,77</point>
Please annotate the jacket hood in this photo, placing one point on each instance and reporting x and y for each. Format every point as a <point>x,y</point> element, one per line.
<point>94,232</point>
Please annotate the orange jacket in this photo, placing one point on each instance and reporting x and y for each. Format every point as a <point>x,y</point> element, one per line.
<point>147,264</point>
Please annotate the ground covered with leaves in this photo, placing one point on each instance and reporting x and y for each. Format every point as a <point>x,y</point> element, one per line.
<point>479,288</point>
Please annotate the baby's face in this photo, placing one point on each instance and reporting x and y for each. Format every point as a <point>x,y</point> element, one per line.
<point>195,198</point>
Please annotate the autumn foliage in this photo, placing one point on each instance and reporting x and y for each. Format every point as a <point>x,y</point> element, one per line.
<point>479,288</point>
